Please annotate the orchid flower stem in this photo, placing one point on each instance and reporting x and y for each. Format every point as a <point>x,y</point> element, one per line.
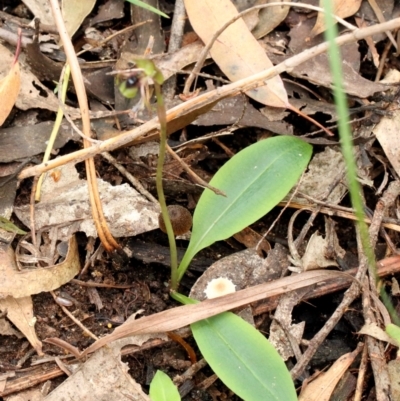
<point>160,191</point>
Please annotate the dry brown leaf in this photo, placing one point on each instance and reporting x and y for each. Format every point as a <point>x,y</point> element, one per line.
<point>321,389</point>
<point>20,313</point>
<point>9,89</point>
<point>341,8</point>
<point>74,12</point>
<point>269,18</point>
<point>33,93</point>
<point>67,200</point>
<point>236,51</point>
<point>373,330</point>
<point>20,284</point>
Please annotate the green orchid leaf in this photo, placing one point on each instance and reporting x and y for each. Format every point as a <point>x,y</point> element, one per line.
<point>11,227</point>
<point>243,359</point>
<point>163,389</point>
<point>254,181</point>
<point>148,7</point>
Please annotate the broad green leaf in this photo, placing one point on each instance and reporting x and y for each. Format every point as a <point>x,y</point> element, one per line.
<point>147,7</point>
<point>163,389</point>
<point>243,359</point>
<point>393,331</point>
<point>254,181</point>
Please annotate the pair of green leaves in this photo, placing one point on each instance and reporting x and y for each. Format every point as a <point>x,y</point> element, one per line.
<point>254,181</point>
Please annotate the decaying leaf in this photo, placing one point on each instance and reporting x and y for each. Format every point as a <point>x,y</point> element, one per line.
<point>67,200</point>
<point>9,89</point>
<point>269,18</point>
<point>20,313</point>
<point>373,330</point>
<point>33,94</point>
<point>322,171</point>
<point>314,257</point>
<point>20,284</point>
<point>341,8</point>
<point>74,12</point>
<point>317,71</point>
<point>236,51</point>
<point>322,387</point>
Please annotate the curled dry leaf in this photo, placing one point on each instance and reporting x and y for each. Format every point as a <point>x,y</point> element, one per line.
<point>236,51</point>
<point>321,389</point>
<point>9,89</point>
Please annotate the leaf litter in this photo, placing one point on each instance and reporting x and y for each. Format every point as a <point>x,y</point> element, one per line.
<point>279,33</point>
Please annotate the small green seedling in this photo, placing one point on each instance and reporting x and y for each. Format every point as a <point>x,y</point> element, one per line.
<point>254,181</point>
<point>163,389</point>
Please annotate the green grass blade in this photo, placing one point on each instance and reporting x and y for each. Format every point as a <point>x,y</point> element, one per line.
<point>163,389</point>
<point>254,180</point>
<point>243,359</point>
<point>393,331</point>
<point>147,7</point>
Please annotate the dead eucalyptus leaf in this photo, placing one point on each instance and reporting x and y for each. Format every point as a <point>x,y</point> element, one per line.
<point>341,8</point>
<point>269,18</point>
<point>322,387</point>
<point>74,12</point>
<point>9,89</point>
<point>236,51</point>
